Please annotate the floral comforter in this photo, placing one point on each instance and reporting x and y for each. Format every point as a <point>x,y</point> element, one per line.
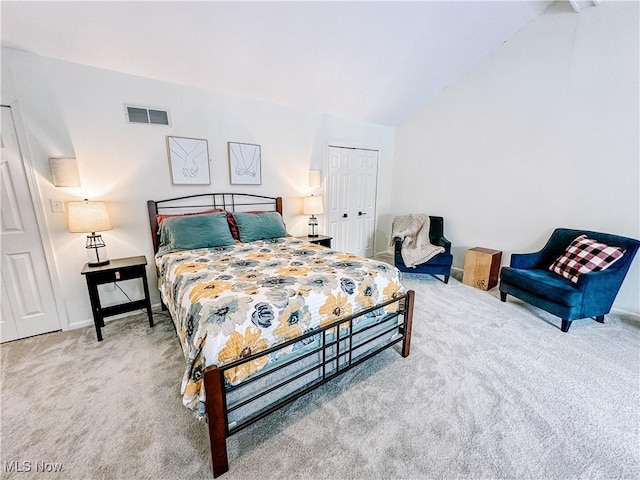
<point>230,302</point>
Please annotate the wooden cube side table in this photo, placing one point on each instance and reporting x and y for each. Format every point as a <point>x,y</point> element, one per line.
<point>481,267</point>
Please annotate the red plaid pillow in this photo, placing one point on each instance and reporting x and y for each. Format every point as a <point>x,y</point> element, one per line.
<point>585,255</point>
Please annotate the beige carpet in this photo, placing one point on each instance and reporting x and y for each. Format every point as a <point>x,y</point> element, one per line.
<point>490,390</point>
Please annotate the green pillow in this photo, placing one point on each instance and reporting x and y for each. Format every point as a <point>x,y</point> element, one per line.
<point>260,226</point>
<point>194,231</point>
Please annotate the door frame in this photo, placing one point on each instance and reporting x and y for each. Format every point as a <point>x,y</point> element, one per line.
<point>325,169</point>
<point>36,200</point>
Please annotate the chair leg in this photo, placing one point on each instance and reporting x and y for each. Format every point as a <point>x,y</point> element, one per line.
<point>600,318</point>
<point>565,325</point>
<point>503,296</point>
<point>445,278</point>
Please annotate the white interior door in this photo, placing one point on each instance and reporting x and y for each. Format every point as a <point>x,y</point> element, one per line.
<point>28,305</point>
<point>351,206</point>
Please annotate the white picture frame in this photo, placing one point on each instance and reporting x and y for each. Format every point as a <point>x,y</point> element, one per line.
<point>244,163</point>
<point>188,160</point>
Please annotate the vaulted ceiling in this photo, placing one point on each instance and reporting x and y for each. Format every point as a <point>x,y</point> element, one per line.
<point>370,61</point>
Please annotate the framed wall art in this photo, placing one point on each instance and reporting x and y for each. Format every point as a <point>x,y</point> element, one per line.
<point>244,164</point>
<point>188,161</point>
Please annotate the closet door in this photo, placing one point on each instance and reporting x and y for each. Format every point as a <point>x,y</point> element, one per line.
<point>28,305</point>
<point>351,199</point>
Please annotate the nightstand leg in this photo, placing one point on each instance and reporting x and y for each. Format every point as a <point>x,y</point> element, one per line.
<point>94,298</point>
<point>98,332</point>
<point>148,298</point>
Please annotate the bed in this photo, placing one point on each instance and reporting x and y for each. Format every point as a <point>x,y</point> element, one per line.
<point>262,317</point>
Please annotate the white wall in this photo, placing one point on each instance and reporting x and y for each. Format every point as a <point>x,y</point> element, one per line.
<point>74,110</point>
<point>543,133</point>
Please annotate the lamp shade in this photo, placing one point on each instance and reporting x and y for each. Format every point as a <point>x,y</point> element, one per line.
<point>312,205</point>
<point>64,172</point>
<point>85,217</point>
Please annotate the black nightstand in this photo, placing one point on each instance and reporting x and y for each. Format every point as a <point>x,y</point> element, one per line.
<point>320,240</point>
<point>117,270</point>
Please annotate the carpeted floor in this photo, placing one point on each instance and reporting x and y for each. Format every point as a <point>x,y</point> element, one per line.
<point>490,390</point>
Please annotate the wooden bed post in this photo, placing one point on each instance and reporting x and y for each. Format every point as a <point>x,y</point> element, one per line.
<point>408,320</point>
<point>216,420</point>
<point>153,223</point>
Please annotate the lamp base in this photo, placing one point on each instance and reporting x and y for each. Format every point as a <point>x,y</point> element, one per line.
<point>99,264</point>
<point>313,223</point>
<point>96,251</point>
<point>313,235</point>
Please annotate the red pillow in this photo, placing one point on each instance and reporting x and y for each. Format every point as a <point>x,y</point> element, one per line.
<point>160,217</point>
<point>585,255</point>
<point>233,226</point>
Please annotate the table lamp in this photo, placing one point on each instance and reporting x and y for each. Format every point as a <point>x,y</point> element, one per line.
<point>91,217</point>
<point>312,206</point>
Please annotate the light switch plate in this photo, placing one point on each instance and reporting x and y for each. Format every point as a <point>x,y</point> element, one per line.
<point>57,205</point>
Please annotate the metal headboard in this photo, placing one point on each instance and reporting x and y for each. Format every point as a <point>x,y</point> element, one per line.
<point>232,202</point>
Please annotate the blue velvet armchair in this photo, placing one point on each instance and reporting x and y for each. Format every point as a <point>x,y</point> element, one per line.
<point>440,264</point>
<point>528,278</point>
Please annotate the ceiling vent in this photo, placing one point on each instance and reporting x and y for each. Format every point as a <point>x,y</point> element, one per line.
<point>150,116</point>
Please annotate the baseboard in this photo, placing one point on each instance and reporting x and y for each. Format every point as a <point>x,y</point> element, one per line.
<point>626,313</point>
<point>80,324</point>
<point>457,273</point>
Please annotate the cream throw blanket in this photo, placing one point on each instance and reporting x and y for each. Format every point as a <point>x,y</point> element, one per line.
<point>413,230</point>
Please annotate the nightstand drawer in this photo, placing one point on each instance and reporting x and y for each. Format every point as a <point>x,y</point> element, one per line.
<point>117,275</point>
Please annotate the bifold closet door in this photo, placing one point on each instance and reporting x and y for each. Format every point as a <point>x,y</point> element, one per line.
<point>351,199</point>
